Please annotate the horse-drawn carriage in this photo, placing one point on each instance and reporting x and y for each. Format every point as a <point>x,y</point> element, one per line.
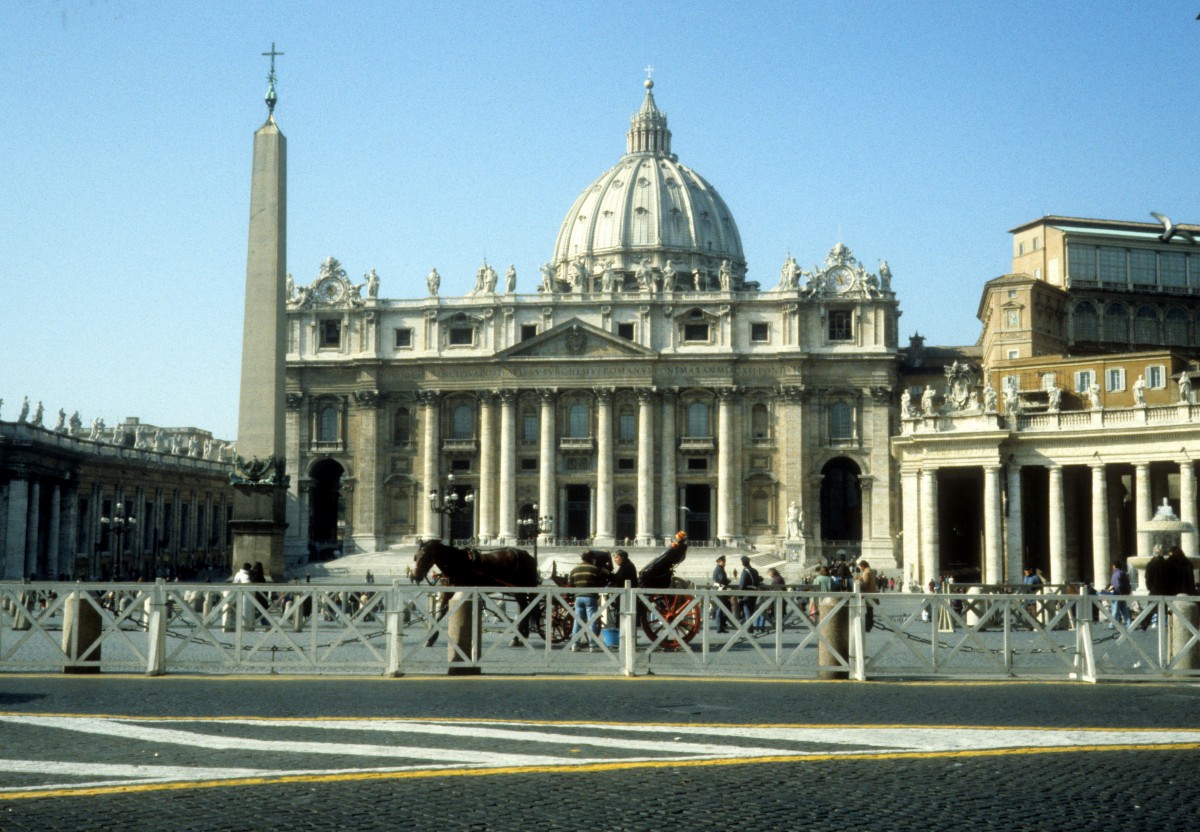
<point>552,618</point>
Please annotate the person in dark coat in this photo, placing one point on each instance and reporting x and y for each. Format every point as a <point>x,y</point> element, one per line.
<point>1182,579</point>
<point>720,579</point>
<point>623,570</point>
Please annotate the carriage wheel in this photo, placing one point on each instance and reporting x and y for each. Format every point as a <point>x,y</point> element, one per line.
<point>561,622</point>
<point>671,609</point>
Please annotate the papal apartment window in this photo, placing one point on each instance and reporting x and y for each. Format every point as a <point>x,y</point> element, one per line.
<point>528,331</point>
<point>1083,380</point>
<point>625,331</point>
<point>462,336</point>
<point>1014,353</point>
<point>760,333</point>
<point>1156,377</point>
<point>330,334</point>
<point>1114,379</point>
<point>695,332</point>
<point>403,338</point>
<point>840,328</point>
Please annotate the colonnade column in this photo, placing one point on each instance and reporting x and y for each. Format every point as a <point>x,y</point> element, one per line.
<point>929,526</point>
<point>910,540</point>
<point>486,500</point>
<point>1187,504</point>
<point>1058,528</point>
<point>14,543</point>
<point>547,483</point>
<point>604,472</point>
<point>1100,550</point>
<point>1143,507</point>
<point>645,485</point>
<point>1014,535</point>
<point>508,467</point>
<point>54,544</point>
<point>993,544</point>
<point>668,517</point>
<point>32,530</point>
<point>431,527</point>
<point>726,490</point>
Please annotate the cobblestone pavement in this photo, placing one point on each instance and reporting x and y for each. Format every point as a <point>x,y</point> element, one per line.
<point>188,753</point>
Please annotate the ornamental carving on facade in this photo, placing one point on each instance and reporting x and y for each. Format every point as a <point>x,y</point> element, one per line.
<point>256,472</point>
<point>332,289</point>
<point>367,398</point>
<point>960,382</point>
<point>841,276</point>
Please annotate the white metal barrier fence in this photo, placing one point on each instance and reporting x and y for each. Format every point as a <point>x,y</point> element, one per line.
<point>390,630</point>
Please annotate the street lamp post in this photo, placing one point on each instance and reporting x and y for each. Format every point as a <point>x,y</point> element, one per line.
<point>447,503</point>
<point>118,524</point>
<point>542,525</point>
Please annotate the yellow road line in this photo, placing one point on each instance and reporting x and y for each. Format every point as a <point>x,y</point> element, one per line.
<point>578,769</point>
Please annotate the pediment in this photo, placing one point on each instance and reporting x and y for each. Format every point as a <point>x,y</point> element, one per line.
<point>576,339</point>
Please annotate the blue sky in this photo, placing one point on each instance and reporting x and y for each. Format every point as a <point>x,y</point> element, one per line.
<point>435,134</point>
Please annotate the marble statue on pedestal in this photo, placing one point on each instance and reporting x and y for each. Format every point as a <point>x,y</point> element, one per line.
<point>927,401</point>
<point>61,425</point>
<point>74,424</point>
<point>1185,388</point>
<point>795,522</point>
<point>644,275</point>
<point>1139,392</point>
<point>372,280</point>
<point>510,280</point>
<point>24,412</point>
<point>434,281</point>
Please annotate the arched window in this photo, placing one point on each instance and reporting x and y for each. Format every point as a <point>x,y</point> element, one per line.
<point>759,422</point>
<point>327,424</point>
<point>462,422</point>
<point>1087,323</point>
<point>841,422</point>
<point>1145,325</point>
<point>1116,324</point>
<point>1177,326</point>
<point>401,427</point>
<point>697,419</point>
<point>577,421</point>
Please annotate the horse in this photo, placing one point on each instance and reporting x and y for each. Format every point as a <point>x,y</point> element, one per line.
<point>509,567</point>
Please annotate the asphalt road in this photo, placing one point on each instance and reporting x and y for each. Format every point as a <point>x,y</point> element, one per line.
<point>185,753</point>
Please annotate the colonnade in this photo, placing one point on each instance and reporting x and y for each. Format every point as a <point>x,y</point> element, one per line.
<point>1003,544</point>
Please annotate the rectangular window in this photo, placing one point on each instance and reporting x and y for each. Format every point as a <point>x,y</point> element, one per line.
<point>1083,380</point>
<point>760,332</point>
<point>840,328</point>
<point>1081,262</point>
<point>403,338</point>
<point>528,331</point>
<point>1112,265</point>
<point>529,463</point>
<point>1156,377</point>
<point>330,334</point>
<point>841,422</point>
<point>1142,266</point>
<point>625,331</point>
<point>697,463</point>
<point>626,463</point>
<point>529,427</point>
<point>462,336</point>
<point>1114,379</point>
<point>460,465</point>
<point>1049,381</point>
<point>695,332</point>
<point>1173,270</point>
<point>1014,353</point>
<point>627,427</point>
<point>578,463</point>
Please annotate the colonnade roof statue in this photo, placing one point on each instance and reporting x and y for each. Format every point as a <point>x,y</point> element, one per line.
<point>646,211</point>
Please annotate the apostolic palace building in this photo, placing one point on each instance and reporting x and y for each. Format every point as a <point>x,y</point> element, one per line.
<point>643,383</point>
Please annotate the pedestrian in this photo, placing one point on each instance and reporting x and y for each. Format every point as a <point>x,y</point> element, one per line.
<point>242,576</point>
<point>623,570</point>
<point>868,583</point>
<point>1118,586</point>
<point>749,581</point>
<point>720,580</point>
<point>585,576</point>
<point>1183,579</point>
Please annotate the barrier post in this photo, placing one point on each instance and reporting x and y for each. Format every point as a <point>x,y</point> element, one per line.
<point>156,631</point>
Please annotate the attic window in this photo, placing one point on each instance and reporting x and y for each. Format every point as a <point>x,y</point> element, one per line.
<point>696,332</point>
<point>462,336</point>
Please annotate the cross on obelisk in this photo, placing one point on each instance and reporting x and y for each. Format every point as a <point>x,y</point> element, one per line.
<point>271,97</point>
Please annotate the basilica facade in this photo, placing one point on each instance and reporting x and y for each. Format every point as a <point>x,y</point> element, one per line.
<point>640,385</point>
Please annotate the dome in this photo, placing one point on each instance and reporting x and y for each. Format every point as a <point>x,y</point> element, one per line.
<point>648,207</point>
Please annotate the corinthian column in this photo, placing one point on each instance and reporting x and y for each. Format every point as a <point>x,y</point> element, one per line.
<point>431,415</point>
<point>508,466</point>
<point>645,486</point>
<point>726,488</point>
<point>547,485</point>
<point>1014,529</point>
<point>668,518</point>
<point>604,473</point>
<point>487,467</point>
<point>929,526</point>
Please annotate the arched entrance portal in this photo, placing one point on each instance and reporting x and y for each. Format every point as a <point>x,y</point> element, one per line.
<point>841,510</point>
<point>327,511</point>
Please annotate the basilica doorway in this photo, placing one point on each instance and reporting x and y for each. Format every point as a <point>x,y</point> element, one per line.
<point>327,511</point>
<point>841,509</point>
<point>462,523</point>
<point>578,524</point>
<point>697,513</point>
<point>960,524</point>
<point>626,522</point>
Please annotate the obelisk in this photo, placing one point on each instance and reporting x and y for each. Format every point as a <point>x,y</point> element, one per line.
<point>260,473</point>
